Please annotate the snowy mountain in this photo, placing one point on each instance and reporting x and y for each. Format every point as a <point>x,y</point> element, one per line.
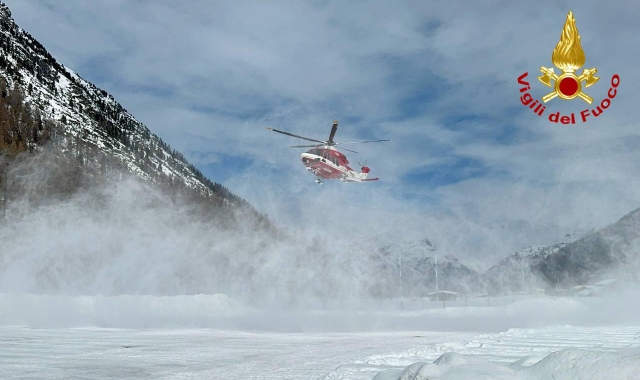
<point>514,273</point>
<point>586,256</point>
<point>92,121</point>
<point>418,260</point>
<point>613,251</point>
<point>582,258</point>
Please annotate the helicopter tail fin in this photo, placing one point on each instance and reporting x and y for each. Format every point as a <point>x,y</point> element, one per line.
<point>364,172</point>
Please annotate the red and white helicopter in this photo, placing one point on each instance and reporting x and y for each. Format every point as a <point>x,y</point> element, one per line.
<point>326,162</point>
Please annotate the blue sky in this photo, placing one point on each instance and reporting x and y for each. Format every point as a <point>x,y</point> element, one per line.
<point>468,163</point>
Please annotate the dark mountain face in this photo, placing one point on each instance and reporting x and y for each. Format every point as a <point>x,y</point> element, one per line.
<point>87,124</point>
<point>612,251</point>
<point>514,274</point>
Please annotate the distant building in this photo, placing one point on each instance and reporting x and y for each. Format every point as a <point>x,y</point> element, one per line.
<point>538,291</point>
<point>607,283</point>
<point>595,290</point>
<point>557,292</point>
<point>443,295</point>
<point>606,286</point>
<point>584,291</point>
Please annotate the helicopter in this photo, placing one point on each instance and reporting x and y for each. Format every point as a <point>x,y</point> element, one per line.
<point>326,162</point>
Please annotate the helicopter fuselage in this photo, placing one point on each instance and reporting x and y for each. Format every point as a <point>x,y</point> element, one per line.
<point>328,163</point>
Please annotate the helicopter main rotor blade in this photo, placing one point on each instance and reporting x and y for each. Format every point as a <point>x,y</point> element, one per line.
<point>362,142</point>
<point>292,135</point>
<point>346,149</point>
<point>334,128</point>
<point>304,146</point>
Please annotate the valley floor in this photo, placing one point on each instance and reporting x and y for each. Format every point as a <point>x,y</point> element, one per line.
<point>98,353</point>
<point>92,353</point>
<point>214,337</point>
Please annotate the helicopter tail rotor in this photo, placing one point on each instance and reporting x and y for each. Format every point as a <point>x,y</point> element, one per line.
<point>364,169</point>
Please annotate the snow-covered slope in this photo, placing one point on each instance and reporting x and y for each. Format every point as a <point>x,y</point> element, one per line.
<point>514,273</point>
<point>580,259</point>
<point>93,116</point>
<point>610,252</point>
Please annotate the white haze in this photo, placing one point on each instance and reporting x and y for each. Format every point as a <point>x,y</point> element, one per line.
<point>125,237</point>
<point>123,254</point>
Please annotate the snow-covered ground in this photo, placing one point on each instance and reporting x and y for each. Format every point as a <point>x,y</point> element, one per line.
<point>97,353</point>
<point>91,353</point>
<point>561,352</point>
<point>215,337</point>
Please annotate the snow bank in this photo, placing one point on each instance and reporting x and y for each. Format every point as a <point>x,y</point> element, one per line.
<point>563,365</point>
<point>558,352</point>
<point>451,366</point>
<point>581,364</point>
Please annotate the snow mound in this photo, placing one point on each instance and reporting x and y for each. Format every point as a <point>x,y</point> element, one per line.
<point>450,359</point>
<point>417,371</point>
<point>452,366</point>
<point>582,364</point>
<point>571,364</point>
<point>527,361</point>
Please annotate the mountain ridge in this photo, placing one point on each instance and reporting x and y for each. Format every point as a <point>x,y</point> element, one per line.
<point>94,117</point>
<point>579,258</point>
<point>610,251</point>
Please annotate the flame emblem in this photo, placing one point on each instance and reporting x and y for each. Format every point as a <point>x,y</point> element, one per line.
<point>568,56</point>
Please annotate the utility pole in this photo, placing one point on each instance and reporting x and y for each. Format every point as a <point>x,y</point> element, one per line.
<point>3,213</point>
<point>437,292</point>
<point>3,194</point>
<point>401,287</point>
<point>424,289</point>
